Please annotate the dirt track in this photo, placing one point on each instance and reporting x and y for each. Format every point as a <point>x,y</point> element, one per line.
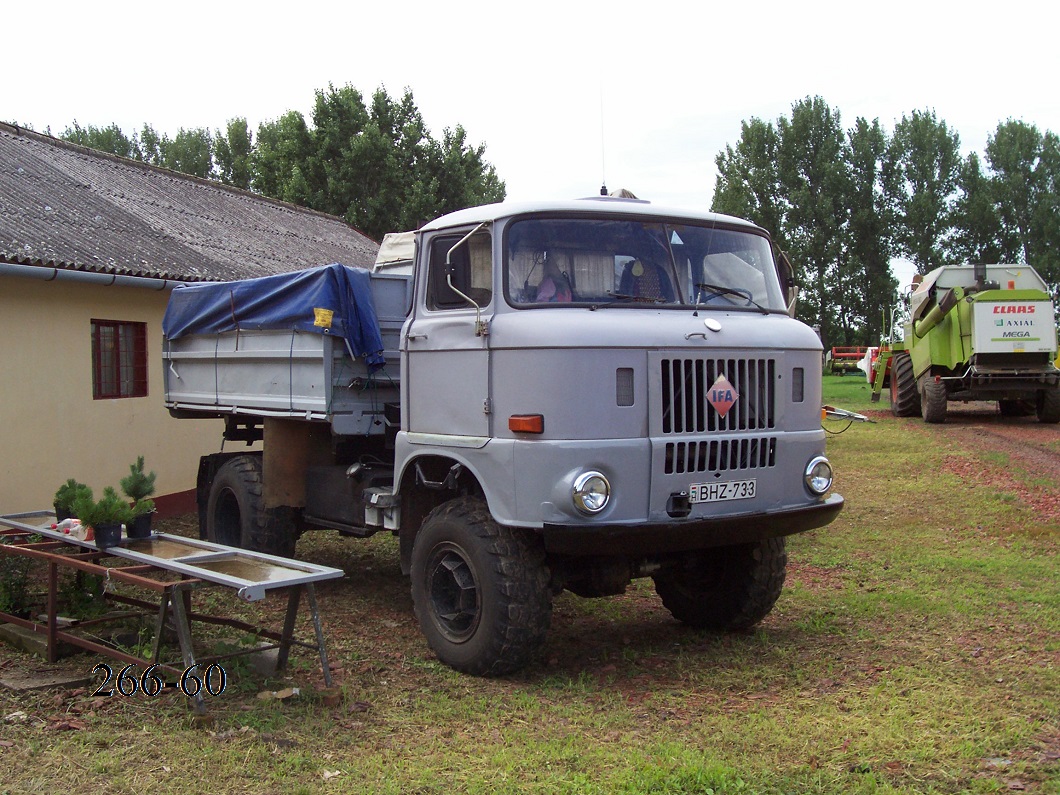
<point>1017,454</point>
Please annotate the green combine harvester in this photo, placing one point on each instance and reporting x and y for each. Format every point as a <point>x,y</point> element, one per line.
<point>973,332</point>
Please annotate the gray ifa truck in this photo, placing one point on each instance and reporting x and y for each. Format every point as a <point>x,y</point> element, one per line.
<point>547,396</point>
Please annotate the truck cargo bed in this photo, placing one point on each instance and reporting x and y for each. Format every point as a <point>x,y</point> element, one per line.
<point>290,372</point>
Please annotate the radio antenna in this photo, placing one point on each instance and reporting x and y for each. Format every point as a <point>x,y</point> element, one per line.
<point>603,148</point>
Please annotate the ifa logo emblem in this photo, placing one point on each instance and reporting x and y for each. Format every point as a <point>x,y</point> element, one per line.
<point>722,395</point>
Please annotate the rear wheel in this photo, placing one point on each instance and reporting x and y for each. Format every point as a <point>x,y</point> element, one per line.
<point>728,588</point>
<point>933,401</point>
<point>905,400</point>
<point>1048,406</point>
<point>236,515</point>
<point>480,589</point>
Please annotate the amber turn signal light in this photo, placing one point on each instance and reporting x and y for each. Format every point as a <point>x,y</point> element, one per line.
<point>527,423</point>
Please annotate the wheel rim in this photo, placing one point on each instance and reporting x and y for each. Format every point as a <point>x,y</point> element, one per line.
<point>452,593</point>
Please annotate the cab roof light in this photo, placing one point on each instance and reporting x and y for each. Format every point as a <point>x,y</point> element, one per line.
<point>526,423</point>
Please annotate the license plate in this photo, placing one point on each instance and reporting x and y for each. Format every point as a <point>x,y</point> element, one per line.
<point>718,492</point>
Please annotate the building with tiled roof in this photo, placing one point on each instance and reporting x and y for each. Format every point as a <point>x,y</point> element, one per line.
<point>65,206</point>
<point>90,245</point>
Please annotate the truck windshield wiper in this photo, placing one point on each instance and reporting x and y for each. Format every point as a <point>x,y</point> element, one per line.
<point>738,292</point>
<point>646,298</point>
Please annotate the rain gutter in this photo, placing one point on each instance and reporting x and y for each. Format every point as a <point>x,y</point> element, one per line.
<point>49,273</point>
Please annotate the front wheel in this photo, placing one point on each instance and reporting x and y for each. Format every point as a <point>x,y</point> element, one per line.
<point>727,588</point>
<point>905,400</point>
<point>933,401</point>
<point>480,589</point>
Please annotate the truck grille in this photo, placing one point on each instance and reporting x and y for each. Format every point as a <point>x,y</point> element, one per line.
<point>719,455</point>
<point>685,384</point>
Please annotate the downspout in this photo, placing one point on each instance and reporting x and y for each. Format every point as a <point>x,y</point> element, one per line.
<point>51,273</point>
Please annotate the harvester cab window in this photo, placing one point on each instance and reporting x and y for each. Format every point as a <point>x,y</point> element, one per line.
<point>469,270</point>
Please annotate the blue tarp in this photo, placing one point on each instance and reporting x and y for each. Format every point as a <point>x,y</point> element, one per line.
<point>333,299</point>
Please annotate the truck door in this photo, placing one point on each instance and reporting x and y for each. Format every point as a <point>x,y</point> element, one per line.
<point>447,338</point>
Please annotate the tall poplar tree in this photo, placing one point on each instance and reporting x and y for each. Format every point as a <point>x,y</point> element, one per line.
<point>818,190</point>
<point>867,285</point>
<point>190,152</point>
<point>278,161</point>
<point>232,153</point>
<point>1026,178</point>
<point>978,234</point>
<point>920,179</point>
<point>748,182</point>
<point>815,179</point>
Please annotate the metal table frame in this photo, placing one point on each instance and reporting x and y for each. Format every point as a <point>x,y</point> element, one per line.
<point>173,582</point>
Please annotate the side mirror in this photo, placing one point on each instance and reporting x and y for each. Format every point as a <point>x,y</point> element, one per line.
<point>481,327</point>
<point>786,273</point>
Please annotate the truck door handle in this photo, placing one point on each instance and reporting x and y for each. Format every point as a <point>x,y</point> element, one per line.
<point>411,337</point>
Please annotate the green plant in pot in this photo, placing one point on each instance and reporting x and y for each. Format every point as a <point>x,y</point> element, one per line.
<point>105,516</point>
<point>138,486</point>
<point>66,496</point>
<point>142,510</point>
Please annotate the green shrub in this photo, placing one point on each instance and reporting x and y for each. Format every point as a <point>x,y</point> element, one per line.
<point>137,485</point>
<point>109,509</point>
<point>68,494</point>
<point>142,506</point>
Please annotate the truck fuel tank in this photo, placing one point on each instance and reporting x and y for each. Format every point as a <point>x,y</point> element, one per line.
<point>334,495</point>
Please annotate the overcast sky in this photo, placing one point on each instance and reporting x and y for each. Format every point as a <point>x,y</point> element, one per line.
<point>563,94</point>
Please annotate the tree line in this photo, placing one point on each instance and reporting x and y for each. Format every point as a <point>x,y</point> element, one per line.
<point>374,164</point>
<point>843,201</point>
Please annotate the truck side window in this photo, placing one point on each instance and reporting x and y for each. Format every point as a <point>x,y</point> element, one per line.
<point>472,272</point>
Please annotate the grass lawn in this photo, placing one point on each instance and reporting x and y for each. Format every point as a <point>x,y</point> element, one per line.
<point>916,648</point>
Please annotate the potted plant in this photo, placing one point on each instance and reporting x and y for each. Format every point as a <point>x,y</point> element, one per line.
<point>140,525</point>
<point>105,516</point>
<point>138,486</point>
<point>66,496</point>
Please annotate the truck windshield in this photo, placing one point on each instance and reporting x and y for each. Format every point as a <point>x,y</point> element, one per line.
<point>579,261</point>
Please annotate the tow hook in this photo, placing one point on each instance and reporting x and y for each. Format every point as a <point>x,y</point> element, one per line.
<point>678,505</point>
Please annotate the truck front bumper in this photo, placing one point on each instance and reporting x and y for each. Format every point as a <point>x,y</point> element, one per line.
<point>684,536</point>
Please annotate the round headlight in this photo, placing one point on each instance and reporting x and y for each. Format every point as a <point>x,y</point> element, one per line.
<point>591,492</point>
<point>818,475</point>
